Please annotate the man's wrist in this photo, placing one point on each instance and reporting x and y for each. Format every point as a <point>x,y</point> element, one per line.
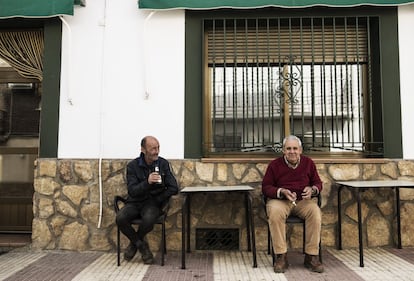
<point>279,194</point>
<point>315,190</point>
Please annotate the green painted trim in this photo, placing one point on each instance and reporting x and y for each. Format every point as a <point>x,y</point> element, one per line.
<point>49,118</point>
<point>215,4</point>
<point>390,74</point>
<point>193,90</point>
<point>37,8</point>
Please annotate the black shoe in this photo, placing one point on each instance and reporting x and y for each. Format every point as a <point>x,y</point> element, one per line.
<point>130,252</point>
<point>146,254</point>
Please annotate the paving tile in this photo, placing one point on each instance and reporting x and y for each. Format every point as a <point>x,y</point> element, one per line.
<point>11,263</point>
<point>55,266</point>
<point>105,268</point>
<point>199,266</point>
<point>380,264</point>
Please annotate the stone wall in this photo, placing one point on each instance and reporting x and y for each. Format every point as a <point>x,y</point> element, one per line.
<point>66,202</point>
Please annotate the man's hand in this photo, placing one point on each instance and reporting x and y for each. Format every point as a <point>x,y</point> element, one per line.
<point>291,196</point>
<point>307,192</point>
<point>154,178</point>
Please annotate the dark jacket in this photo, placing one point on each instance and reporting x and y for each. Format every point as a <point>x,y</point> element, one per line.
<point>140,191</point>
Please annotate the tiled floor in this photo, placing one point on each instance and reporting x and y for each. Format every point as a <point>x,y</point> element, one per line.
<point>380,264</point>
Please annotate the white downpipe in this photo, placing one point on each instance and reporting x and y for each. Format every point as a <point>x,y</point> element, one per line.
<point>101,116</point>
<point>146,57</point>
<point>68,61</point>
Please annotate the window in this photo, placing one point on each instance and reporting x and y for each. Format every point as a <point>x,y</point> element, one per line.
<point>267,78</point>
<point>329,76</point>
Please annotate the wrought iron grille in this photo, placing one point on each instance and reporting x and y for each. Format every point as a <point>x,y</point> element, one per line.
<point>270,77</point>
<point>217,239</point>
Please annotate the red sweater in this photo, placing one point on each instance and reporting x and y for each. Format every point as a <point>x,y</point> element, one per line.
<point>279,175</point>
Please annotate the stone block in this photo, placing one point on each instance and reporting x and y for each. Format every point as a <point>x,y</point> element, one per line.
<point>47,168</point>
<point>406,168</point>
<point>252,176</point>
<point>65,171</point>
<point>222,172</point>
<point>369,171</point>
<point>78,242</point>
<point>205,171</point>
<point>83,169</point>
<point>46,208</point>
<point>390,169</point>
<point>45,186</point>
<point>99,240</point>
<point>349,235</point>
<point>41,236</point>
<point>344,172</point>
<point>407,227</point>
<point>378,231</point>
<point>352,211</point>
<point>75,193</point>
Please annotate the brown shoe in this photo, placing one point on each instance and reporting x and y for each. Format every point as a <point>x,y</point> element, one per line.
<point>313,263</point>
<point>281,263</point>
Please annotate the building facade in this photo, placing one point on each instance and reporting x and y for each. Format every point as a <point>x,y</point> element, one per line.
<point>219,86</point>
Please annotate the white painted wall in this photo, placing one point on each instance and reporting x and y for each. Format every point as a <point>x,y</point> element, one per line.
<point>112,55</point>
<point>406,45</point>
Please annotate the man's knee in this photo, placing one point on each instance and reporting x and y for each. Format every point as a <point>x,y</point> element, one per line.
<point>151,216</point>
<point>122,217</point>
<point>316,214</point>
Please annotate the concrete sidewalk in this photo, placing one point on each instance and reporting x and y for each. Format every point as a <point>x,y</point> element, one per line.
<point>380,264</point>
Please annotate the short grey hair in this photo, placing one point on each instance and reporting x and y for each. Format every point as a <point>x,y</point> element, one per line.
<point>292,137</point>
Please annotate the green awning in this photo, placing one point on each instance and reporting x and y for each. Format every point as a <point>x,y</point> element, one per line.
<point>37,8</point>
<point>245,4</point>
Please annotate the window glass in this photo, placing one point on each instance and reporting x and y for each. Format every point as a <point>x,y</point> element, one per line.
<point>268,78</point>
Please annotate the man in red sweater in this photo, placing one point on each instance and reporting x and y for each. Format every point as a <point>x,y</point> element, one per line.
<point>289,183</point>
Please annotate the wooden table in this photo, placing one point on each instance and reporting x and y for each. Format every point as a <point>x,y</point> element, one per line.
<point>188,192</point>
<point>360,186</point>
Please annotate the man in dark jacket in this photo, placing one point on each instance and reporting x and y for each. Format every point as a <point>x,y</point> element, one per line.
<point>150,185</point>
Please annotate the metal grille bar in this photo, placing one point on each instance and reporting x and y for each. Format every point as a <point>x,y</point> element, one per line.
<point>272,77</point>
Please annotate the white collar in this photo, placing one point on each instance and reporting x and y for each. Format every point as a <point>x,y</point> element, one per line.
<point>292,166</point>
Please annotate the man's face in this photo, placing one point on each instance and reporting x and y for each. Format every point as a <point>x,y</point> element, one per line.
<point>151,150</point>
<point>292,151</point>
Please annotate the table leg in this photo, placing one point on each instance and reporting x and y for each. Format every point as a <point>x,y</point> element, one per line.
<point>361,246</point>
<point>183,230</point>
<point>251,228</point>
<point>248,223</point>
<point>339,218</point>
<point>188,218</point>
<point>397,197</point>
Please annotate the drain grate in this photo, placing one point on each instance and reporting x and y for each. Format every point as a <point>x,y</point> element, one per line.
<point>217,239</point>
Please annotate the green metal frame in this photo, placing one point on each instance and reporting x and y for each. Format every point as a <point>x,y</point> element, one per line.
<point>386,99</point>
<point>49,119</point>
<point>214,4</point>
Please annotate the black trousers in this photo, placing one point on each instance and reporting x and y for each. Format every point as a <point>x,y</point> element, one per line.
<point>148,212</point>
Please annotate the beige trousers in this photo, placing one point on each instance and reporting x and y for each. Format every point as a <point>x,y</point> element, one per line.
<point>279,210</point>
